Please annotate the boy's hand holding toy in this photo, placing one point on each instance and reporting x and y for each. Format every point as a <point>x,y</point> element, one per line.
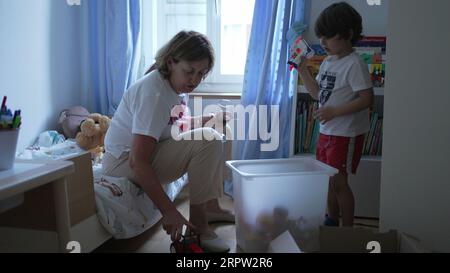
<point>299,47</point>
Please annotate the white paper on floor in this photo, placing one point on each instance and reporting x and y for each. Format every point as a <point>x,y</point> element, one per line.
<point>284,243</point>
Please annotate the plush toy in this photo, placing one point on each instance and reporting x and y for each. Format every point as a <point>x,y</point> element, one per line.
<point>93,131</point>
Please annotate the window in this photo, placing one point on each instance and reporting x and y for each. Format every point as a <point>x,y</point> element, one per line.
<point>227,27</point>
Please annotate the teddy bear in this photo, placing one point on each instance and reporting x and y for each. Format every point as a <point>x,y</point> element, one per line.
<point>93,131</point>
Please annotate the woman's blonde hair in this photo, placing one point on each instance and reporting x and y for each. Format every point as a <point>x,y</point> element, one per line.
<point>185,46</point>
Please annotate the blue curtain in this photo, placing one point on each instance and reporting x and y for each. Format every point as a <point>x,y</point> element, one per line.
<point>267,79</point>
<point>111,40</point>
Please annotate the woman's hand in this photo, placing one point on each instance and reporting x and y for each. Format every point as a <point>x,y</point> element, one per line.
<point>218,118</point>
<point>222,116</point>
<point>325,114</point>
<point>173,222</point>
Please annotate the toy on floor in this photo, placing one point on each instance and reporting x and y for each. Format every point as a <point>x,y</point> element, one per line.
<point>187,244</point>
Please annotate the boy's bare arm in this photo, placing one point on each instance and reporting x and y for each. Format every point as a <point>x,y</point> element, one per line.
<point>310,83</point>
<point>364,101</point>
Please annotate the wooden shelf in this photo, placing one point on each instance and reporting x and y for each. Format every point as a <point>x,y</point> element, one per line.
<point>376,158</point>
<point>378,91</point>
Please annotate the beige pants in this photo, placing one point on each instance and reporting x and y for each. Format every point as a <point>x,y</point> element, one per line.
<point>203,160</point>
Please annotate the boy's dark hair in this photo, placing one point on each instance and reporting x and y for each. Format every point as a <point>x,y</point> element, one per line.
<point>187,46</point>
<point>340,19</point>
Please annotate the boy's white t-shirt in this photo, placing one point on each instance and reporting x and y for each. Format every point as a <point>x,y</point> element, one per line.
<point>145,109</point>
<point>339,81</point>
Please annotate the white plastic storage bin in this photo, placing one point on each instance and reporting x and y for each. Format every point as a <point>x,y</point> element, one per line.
<point>272,196</point>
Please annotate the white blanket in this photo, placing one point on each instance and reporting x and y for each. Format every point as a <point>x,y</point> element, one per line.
<point>124,209</point>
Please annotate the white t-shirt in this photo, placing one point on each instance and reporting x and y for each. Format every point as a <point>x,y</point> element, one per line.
<point>339,81</point>
<point>145,109</point>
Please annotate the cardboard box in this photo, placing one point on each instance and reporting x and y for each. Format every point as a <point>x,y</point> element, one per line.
<point>352,240</point>
<point>361,240</point>
<point>38,212</point>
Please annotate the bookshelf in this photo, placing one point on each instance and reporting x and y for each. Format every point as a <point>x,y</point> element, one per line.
<point>302,94</point>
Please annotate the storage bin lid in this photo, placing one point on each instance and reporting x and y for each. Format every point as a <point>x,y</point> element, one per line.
<point>280,167</point>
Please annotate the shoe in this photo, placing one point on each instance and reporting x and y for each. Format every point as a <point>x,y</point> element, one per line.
<point>330,222</point>
<point>224,217</point>
<point>213,244</point>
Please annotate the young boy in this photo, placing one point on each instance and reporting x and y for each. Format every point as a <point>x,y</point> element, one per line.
<point>344,90</point>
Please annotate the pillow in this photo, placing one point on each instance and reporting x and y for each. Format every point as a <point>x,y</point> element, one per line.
<point>70,120</point>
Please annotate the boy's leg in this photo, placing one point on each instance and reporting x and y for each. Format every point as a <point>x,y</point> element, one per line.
<point>332,202</point>
<point>345,198</point>
<point>332,218</point>
<point>344,154</point>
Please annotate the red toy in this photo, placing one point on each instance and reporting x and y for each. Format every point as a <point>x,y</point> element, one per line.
<point>188,244</point>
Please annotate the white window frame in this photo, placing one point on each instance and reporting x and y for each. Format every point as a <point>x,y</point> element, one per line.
<point>215,82</point>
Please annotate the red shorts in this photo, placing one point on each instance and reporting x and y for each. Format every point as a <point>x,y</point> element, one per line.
<point>342,153</point>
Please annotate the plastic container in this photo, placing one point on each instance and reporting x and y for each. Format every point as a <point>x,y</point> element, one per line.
<point>276,195</point>
<point>8,145</point>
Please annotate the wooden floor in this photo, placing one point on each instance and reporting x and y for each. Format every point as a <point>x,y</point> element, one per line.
<point>155,240</point>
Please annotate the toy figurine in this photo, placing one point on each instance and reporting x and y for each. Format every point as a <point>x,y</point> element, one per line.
<point>299,47</point>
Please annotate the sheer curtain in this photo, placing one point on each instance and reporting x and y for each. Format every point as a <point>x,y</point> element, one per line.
<point>267,79</point>
<point>111,51</point>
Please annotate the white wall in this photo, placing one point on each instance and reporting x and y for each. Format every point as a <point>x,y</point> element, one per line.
<point>374,17</point>
<point>39,61</point>
<point>415,188</point>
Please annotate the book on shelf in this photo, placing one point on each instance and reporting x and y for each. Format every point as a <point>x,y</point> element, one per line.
<point>373,138</point>
<point>307,128</point>
<point>370,55</point>
<point>313,66</point>
<point>376,140</point>
<point>372,50</point>
<point>380,142</point>
<point>376,67</point>
<point>377,72</point>
<point>373,120</point>
<point>373,41</point>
